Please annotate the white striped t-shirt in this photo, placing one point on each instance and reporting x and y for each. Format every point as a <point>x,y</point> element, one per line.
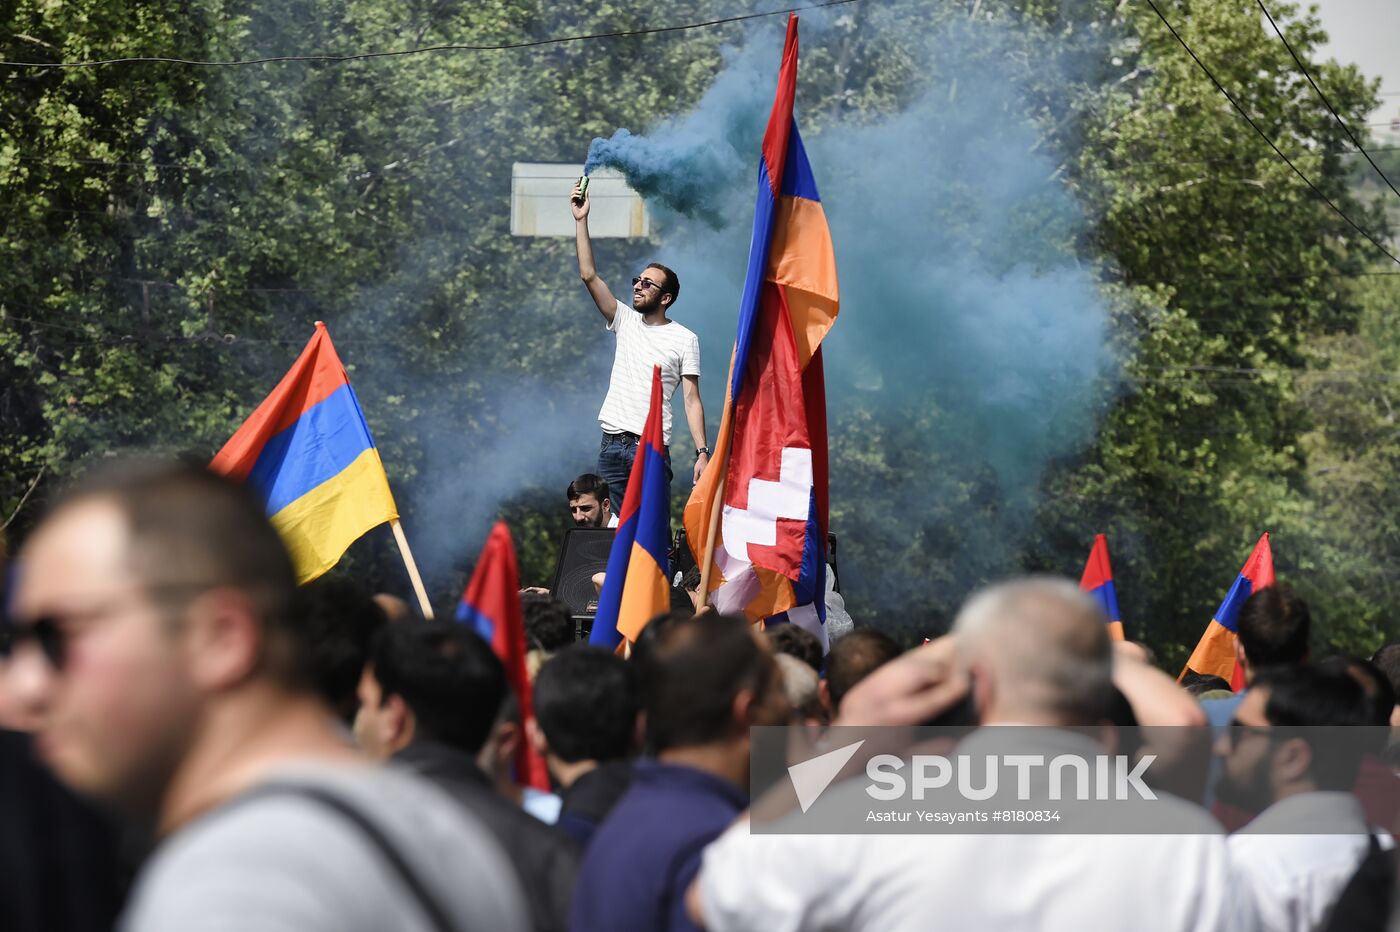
<point>639,347</point>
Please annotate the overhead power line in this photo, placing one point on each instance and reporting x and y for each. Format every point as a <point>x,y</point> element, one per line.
<point>1265,136</point>
<point>1323,97</point>
<point>427,49</point>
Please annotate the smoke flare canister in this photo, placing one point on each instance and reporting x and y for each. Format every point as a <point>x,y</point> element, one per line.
<point>582,190</point>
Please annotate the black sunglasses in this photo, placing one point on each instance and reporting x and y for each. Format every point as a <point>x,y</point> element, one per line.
<point>43,631</point>
<point>646,281</point>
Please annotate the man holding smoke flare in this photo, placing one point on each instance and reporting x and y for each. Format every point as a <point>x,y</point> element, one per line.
<point>646,337</point>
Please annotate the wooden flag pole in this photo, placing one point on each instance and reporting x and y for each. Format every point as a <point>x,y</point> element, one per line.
<point>412,568</point>
<point>726,428</point>
<point>711,538</point>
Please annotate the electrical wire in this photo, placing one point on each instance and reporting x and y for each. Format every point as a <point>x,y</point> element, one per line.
<point>421,50</point>
<point>1265,136</point>
<point>1323,97</point>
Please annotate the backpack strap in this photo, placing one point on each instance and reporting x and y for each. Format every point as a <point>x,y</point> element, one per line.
<point>1364,904</point>
<point>427,903</point>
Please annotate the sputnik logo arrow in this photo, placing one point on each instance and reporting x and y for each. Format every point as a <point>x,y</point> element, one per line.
<point>811,777</point>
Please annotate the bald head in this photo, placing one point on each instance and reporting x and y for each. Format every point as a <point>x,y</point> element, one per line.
<point>1039,652</point>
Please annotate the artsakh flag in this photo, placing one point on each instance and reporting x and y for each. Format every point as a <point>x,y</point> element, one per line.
<point>1098,582</point>
<point>491,605</point>
<point>1215,652</point>
<point>307,451</point>
<point>636,588</point>
<point>770,555</point>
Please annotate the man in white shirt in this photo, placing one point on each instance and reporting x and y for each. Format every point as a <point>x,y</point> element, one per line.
<point>646,337</point>
<point>1032,652</point>
<point>1283,751</point>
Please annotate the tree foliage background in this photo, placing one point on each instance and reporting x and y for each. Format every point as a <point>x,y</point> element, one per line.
<point>169,233</point>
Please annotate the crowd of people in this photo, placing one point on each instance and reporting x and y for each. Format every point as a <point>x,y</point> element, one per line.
<point>284,757</point>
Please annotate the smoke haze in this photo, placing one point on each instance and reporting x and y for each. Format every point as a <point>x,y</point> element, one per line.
<point>971,345</point>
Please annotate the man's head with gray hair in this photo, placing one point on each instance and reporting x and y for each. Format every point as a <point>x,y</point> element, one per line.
<point>1038,652</point>
<point>802,687</point>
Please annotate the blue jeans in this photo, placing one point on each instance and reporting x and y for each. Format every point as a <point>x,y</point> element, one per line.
<point>615,457</point>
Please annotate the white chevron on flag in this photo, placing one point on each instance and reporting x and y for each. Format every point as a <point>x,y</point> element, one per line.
<point>789,497</point>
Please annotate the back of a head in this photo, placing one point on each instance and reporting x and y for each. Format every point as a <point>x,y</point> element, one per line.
<point>1379,695</point>
<point>446,674</point>
<point>1274,625</point>
<point>654,632</point>
<point>1387,660</point>
<point>796,642</point>
<point>1323,703</point>
<point>1197,684</point>
<point>340,618</point>
<point>853,658</point>
<point>691,675</point>
<point>190,531</point>
<point>801,685</point>
<point>1046,646</point>
<point>586,703</point>
<point>549,625</point>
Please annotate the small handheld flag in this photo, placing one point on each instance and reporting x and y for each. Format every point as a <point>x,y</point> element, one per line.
<point>491,606</point>
<point>308,452</point>
<point>636,587</point>
<point>1215,652</point>
<point>1098,582</point>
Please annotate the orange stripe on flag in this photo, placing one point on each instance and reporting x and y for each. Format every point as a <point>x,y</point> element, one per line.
<point>646,595</point>
<point>802,259</point>
<point>1215,652</point>
<point>1115,630</point>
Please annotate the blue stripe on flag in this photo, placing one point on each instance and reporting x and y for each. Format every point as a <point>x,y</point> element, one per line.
<point>653,515</point>
<point>810,587</point>
<point>1229,612</point>
<point>327,438</point>
<point>798,180</point>
<point>468,614</point>
<point>759,247</point>
<point>1107,597</point>
<point>605,633</point>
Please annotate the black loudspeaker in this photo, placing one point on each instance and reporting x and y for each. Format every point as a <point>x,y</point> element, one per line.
<point>584,552</point>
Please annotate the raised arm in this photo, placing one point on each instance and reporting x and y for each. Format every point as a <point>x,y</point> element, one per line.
<point>607,304</point>
<point>695,419</point>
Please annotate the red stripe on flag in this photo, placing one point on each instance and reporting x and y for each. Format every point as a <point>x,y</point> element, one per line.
<point>770,416</point>
<point>494,592</point>
<point>775,139</point>
<point>1097,569</point>
<point>313,377</point>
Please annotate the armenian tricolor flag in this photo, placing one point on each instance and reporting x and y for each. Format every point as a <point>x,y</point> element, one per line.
<point>635,587</point>
<point>1098,582</point>
<point>491,605</point>
<point>307,451</point>
<point>1215,652</point>
<point>770,462</point>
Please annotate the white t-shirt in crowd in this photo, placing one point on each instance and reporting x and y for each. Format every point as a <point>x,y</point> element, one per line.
<point>786,882</point>
<point>639,347</point>
<point>987,883</point>
<point>1297,878</point>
